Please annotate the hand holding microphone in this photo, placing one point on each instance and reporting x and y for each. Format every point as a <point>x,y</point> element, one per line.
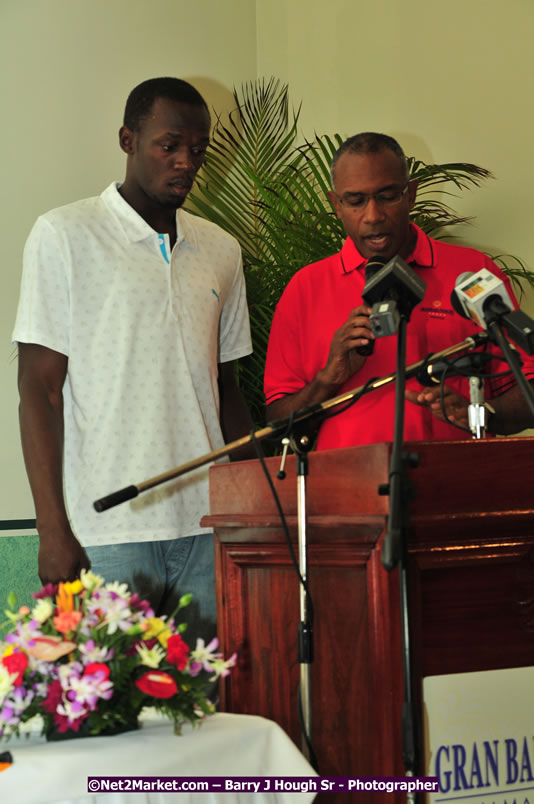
<point>345,357</point>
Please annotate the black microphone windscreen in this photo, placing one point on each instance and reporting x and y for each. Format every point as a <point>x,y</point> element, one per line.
<point>374,264</point>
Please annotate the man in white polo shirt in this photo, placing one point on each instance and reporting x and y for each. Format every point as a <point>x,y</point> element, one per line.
<point>130,315</point>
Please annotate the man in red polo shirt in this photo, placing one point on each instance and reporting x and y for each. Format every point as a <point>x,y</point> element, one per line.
<point>321,319</point>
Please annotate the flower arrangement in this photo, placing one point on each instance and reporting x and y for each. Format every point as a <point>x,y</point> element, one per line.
<point>91,655</point>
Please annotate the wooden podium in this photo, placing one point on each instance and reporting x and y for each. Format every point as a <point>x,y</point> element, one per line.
<point>471,587</point>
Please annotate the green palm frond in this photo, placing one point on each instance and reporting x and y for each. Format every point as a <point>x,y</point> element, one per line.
<point>259,138</point>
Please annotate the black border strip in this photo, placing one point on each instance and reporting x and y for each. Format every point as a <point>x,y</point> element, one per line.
<point>17,524</point>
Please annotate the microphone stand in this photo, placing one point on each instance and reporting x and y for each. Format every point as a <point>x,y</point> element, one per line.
<point>279,427</point>
<point>394,550</point>
<point>301,445</point>
<point>512,358</point>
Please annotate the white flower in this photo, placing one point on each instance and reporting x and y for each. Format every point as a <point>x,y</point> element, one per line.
<point>120,589</point>
<point>91,580</point>
<point>6,681</point>
<point>151,657</point>
<point>203,656</point>
<point>91,652</point>
<point>42,610</point>
<point>71,709</point>
<point>221,667</point>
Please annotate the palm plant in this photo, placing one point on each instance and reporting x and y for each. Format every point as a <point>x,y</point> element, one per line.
<point>271,193</point>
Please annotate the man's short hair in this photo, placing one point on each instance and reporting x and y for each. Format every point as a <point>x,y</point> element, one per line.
<point>369,142</point>
<point>141,98</point>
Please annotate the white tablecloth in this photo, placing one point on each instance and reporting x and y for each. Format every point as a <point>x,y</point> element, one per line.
<point>225,745</point>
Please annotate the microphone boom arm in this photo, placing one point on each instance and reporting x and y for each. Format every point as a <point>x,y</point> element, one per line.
<point>278,426</point>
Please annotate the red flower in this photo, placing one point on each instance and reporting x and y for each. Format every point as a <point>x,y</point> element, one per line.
<point>95,667</point>
<point>157,684</point>
<point>50,590</point>
<point>177,651</point>
<point>16,663</point>
<point>53,697</point>
<point>64,724</point>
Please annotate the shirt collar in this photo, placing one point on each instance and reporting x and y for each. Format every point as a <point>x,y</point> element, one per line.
<point>422,254</point>
<point>136,228</point>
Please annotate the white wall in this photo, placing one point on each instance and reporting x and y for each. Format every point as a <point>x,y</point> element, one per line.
<point>66,68</point>
<point>451,81</point>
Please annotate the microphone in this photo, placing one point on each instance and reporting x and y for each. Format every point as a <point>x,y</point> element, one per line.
<point>392,291</point>
<point>432,373</point>
<point>374,264</point>
<point>476,411</point>
<point>480,296</point>
<point>483,298</point>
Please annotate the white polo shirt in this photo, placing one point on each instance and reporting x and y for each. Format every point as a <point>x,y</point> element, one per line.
<point>143,330</point>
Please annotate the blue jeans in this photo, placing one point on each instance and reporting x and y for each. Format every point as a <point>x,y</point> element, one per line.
<point>161,572</point>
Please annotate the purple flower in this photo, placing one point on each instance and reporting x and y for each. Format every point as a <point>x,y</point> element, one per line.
<point>203,656</point>
<point>141,605</point>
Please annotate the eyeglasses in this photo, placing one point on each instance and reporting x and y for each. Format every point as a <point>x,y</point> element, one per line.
<point>384,198</point>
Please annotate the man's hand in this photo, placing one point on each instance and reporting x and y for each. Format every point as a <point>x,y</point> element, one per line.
<point>61,558</point>
<point>343,360</point>
<point>455,406</point>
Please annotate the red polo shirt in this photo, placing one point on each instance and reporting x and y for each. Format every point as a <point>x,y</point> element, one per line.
<point>318,300</point>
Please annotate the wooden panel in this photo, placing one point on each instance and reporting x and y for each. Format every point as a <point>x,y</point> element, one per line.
<point>471,588</point>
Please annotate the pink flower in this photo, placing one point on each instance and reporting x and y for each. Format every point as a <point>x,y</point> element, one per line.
<point>141,605</point>
<point>50,590</point>
<point>53,699</point>
<point>64,723</point>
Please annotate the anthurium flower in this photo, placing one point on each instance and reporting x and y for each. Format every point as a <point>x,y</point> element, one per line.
<point>16,662</point>
<point>67,621</point>
<point>50,648</point>
<point>177,651</point>
<point>157,684</point>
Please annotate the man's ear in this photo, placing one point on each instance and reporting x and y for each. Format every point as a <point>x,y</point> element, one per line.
<point>412,192</point>
<point>127,140</point>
